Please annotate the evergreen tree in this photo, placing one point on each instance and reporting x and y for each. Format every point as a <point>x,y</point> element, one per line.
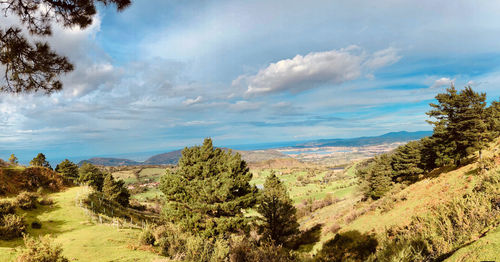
<point>13,159</point>
<point>68,170</point>
<point>461,125</point>
<point>279,221</point>
<point>115,190</point>
<point>380,177</point>
<point>406,162</point>
<point>40,161</point>
<point>91,175</point>
<point>493,116</point>
<point>208,191</point>
<point>29,66</point>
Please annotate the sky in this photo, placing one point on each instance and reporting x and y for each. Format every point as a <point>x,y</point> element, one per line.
<point>162,75</point>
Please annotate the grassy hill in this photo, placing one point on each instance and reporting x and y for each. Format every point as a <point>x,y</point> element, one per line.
<point>400,207</point>
<point>81,238</point>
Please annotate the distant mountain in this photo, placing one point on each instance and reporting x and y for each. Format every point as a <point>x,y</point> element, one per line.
<point>165,158</point>
<point>402,136</point>
<point>254,156</point>
<point>108,161</point>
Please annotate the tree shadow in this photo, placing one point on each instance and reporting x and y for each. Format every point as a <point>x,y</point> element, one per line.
<point>306,240</point>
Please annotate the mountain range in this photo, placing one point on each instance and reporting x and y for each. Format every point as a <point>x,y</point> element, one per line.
<point>253,156</point>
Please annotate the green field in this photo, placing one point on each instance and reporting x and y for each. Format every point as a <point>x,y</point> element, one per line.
<point>81,239</point>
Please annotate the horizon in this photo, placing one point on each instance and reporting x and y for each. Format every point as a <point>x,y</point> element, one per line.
<point>25,157</point>
<point>162,76</point>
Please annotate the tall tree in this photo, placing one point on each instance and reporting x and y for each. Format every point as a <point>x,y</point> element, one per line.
<point>30,65</point>
<point>91,175</point>
<point>208,191</point>
<point>278,215</point>
<point>68,170</point>
<point>40,160</point>
<point>13,159</point>
<point>115,190</point>
<point>461,124</point>
<point>379,176</point>
<point>407,163</point>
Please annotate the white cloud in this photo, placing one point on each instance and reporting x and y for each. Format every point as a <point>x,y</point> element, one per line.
<point>191,101</point>
<point>315,69</point>
<point>443,81</point>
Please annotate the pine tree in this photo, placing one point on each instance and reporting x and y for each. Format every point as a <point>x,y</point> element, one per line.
<point>30,66</point>
<point>68,170</point>
<point>208,191</point>
<point>279,221</point>
<point>461,125</point>
<point>13,159</point>
<point>380,177</point>
<point>406,162</point>
<point>115,190</point>
<point>91,175</point>
<point>40,161</point>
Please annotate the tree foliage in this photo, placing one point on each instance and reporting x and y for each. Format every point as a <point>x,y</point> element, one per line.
<point>40,161</point>
<point>13,159</point>
<point>208,191</point>
<point>31,66</point>
<point>461,125</point>
<point>278,221</point>
<point>115,190</point>
<point>68,170</point>
<point>91,175</point>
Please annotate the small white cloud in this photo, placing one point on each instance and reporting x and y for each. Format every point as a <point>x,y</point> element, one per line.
<point>383,58</point>
<point>443,81</point>
<point>192,101</point>
<point>243,105</point>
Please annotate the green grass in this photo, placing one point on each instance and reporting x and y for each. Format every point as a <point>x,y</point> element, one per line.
<point>81,239</point>
<point>314,190</point>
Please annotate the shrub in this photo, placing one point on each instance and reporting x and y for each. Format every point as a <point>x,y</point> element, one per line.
<point>41,250</point>
<point>146,237</point>
<point>6,207</point>
<point>247,250</point>
<point>27,200</point>
<point>11,226</point>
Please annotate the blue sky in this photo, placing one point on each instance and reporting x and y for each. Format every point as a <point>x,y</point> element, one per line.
<point>165,74</point>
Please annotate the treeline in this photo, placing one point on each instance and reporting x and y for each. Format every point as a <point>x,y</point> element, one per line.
<point>463,124</point>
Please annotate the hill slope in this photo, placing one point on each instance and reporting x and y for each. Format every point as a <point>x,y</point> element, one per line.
<point>81,238</point>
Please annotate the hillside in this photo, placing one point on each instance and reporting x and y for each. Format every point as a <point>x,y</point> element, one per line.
<point>17,179</point>
<point>82,238</point>
<point>401,206</point>
<point>165,158</point>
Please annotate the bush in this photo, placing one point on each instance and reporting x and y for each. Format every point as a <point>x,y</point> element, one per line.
<point>27,200</point>
<point>41,250</point>
<point>247,250</point>
<point>11,226</point>
<point>6,207</point>
<point>146,237</point>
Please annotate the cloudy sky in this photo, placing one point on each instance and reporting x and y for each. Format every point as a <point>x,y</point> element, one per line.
<point>165,74</point>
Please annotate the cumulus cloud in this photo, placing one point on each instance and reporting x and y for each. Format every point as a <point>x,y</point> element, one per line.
<point>314,69</point>
<point>443,81</point>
